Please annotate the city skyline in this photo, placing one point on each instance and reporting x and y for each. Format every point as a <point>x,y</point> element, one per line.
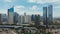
<point>30,6</point>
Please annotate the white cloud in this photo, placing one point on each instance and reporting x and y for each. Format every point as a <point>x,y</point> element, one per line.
<point>34,7</point>
<point>31,0</point>
<point>3,11</point>
<point>40,13</point>
<point>56,14</point>
<point>57,7</point>
<point>31,10</point>
<point>19,8</point>
<point>42,1</point>
<point>9,0</point>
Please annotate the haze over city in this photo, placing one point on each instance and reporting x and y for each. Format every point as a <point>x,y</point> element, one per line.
<point>29,16</point>
<point>30,6</point>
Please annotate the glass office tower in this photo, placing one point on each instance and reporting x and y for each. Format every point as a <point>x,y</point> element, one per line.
<point>45,15</point>
<point>0,18</point>
<point>50,13</point>
<point>11,15</point>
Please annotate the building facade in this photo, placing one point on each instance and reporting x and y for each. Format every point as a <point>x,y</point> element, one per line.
<point>11,15</point>
<point>16,15</point>
<point>45,15</point>
<point>37,21</point>
<point>50,13</point>
<point>0,18</point>
<point>20,19</point>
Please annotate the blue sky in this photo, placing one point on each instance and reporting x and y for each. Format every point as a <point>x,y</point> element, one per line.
<point>30,6</point>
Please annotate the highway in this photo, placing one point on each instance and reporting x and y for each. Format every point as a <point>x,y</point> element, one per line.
<point>50,26</point>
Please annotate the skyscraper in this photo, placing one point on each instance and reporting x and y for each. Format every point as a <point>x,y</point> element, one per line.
<point>32,17</point>
<point>25,18</point>
<point>4,18</point>
<point>20,19</point>
<point>29,19</point>
<point>50,13</point>
<point>11,15</point>
<point>37,21</point>
<point>16,17</point>
<point>45,15</point>
<point>0,18</point>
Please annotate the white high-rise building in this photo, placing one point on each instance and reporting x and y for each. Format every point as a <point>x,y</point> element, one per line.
<point>24,19</point>
<point>20,19</point>
<point>27,18</point>
<point>11,16</point>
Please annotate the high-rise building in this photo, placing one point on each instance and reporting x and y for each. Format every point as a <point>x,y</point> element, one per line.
<point>45,15</point>
<point>11,15</point>
<point>16,15</point>
<point>29,19</point>
<point>25,18</point>
<point>32,17</point>
<point>0,18</point>
<point>37,21</point>
<point>50,13</point>
<point>4,18</point>
<point>20,19</point>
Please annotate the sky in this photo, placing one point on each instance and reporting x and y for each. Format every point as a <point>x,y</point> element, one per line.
<point>30,6</point>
